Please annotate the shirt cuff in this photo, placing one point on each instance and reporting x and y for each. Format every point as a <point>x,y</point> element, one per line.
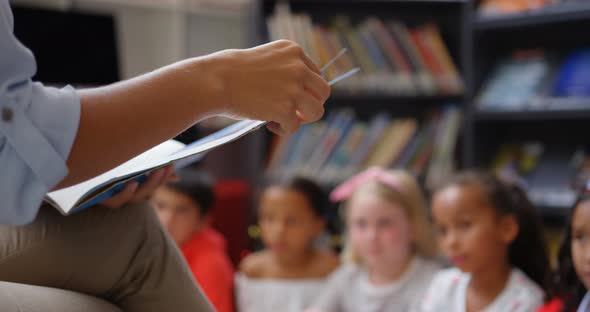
<point>42,127</point>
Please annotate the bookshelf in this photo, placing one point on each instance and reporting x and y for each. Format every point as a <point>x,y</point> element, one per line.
<point>533,115</point>
<point>450,18</point>
<point>476,43</point>
<point>402,105</point>
<point>572,12</point>
<point>559,124</point>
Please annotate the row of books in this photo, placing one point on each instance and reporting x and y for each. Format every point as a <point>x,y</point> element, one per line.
<point>504,7</point>
<point>393,58</point>
<point>537,79</point>
<point>552,175</point>
<point>341,145</point>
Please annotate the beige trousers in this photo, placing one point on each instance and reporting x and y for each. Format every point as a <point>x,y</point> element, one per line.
<point>121,256</point>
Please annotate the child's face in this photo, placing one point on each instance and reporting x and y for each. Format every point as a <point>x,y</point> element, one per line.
<point>379,230</point>
<point>287,222</point>
<point>470,232</point>
<point>581,242</point>
<point>178,213</point>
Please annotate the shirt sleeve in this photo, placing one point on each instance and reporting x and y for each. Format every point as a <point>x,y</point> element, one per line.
<point>441,291</point>
<point>38,125</point>
<point>215,275</point>
<point>330,300</point>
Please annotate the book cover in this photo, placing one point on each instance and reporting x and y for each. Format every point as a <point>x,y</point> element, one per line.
<point>384,77</point>
<point>369,69</point>
<point>375,131</point>
<point>433,39</point>
<point>442,164</point>
<point>92,191</point>
<point>430,61</point>
<point>333,136</point>
<point>399,64</point>
<point>340,158</point>
<point>422,75</point>
<point>392,143</point>
<point>347,61</point>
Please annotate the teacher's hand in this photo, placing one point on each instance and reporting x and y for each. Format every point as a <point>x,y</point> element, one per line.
<point>134,192</point>
<point>275,82</point>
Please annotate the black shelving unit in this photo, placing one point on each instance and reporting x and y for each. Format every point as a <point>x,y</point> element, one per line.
<point>557,29</point>
<point>475,43</point>
<point>560,13</point>
<point>453,18</point>
<point>532,115</point>
<point>366,105</point>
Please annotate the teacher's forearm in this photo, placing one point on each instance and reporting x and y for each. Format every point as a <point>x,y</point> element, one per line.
<point>275,82</point>
<point>122,120</point>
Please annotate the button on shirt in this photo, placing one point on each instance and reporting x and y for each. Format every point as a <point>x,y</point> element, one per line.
<point>38,126</point>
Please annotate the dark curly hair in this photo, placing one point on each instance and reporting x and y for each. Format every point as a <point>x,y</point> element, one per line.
<point>571,289</point>
<point>313,192</point>
<point>196,185</point>
<point>528,251</point>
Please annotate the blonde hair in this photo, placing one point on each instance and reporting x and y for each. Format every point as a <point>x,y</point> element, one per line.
<point>408,195</point>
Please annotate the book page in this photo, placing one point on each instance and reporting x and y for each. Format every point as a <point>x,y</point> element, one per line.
<point>69,196</point>
<point>166,153</point>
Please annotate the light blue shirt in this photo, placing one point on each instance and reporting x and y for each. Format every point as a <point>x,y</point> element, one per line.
<point>38,126</point>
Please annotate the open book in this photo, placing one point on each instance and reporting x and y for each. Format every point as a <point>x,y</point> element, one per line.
<point>97,189</point>
<point>104,186</point>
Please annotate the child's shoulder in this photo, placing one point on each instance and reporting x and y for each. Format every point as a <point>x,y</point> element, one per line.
<point>427,265</point>
<point>324,264</point>
<point>443,289</point>
<point>447,278</point>
<point>253,265</point>
<point>524,287</point>
<point>449,274</point>
<point>554,305</point>
<point>422,271</point>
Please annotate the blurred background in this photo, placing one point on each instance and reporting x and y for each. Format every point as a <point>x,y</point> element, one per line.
<point>444,85</point>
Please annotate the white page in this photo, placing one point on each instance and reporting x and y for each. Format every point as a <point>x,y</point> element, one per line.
<point>163,154</point>
<point>159,156</point>
<point>67,197</point>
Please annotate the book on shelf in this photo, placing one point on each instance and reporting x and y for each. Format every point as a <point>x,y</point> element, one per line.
<point>491,8</point>
<point>394,59</point>
<point>552,175</point>
<point>514,81</point>
<point>538,80</point>
<point>342,145</point>
<point>573,78</point>
<point>442,164</point>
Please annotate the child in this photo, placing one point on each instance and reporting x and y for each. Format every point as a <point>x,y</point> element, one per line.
<point>574,262</point>
<point>489,230</point>
<point>183,208</point>
<point>390,246</point>
<point>290,272</point>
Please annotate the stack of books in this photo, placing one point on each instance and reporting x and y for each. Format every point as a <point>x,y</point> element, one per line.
<point>340,146</point>
<point>394,59</point>
<point>538,80</point>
